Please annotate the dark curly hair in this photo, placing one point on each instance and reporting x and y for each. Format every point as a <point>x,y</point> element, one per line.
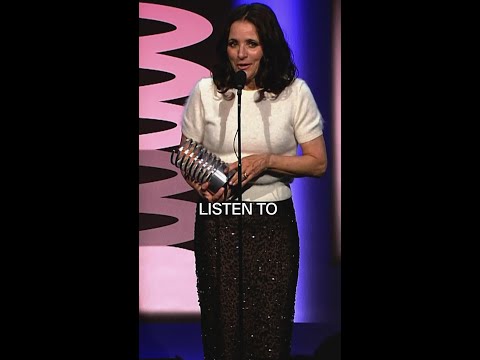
<point>277,69</point>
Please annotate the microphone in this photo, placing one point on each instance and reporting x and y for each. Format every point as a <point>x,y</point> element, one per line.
<point>240,79</point>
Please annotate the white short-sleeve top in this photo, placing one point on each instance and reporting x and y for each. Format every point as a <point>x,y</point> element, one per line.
<point>271,125</point>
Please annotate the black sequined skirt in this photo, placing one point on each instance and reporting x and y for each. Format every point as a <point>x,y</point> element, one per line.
<point>270,258</point>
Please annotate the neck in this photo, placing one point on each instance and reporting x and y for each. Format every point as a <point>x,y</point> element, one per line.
<point>250,85</point>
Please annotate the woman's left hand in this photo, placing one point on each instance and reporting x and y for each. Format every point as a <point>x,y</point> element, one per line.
<point>252,166</point>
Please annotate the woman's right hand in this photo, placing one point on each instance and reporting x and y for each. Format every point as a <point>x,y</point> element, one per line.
<point>204,193</point>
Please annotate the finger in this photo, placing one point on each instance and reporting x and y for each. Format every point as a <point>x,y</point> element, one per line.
<point>233,166</point>
<point>245,178</point>
<point>196,186</point>
<point>218,195</point>
<point>205,185</point>
<point>233,181</point>
<point>245,182</point>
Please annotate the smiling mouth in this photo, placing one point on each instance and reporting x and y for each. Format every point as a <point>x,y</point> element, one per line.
<point>243,66</point>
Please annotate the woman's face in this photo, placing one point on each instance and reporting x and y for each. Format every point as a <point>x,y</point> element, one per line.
<point>244,50</point>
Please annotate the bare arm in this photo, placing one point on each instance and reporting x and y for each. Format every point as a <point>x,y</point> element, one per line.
<point>313,162</point>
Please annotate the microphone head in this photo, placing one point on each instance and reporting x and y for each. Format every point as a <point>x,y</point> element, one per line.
<point>240,79</point>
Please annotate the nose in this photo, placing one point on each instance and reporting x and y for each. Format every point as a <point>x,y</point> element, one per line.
<point>242,52</point>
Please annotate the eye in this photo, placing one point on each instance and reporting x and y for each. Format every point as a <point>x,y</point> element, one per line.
<point>232,43</point>
<point>252,44</point>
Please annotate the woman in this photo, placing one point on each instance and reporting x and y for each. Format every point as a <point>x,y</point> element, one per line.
<point>278,113</point>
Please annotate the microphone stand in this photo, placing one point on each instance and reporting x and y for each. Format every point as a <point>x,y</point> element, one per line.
<point>240,223</point>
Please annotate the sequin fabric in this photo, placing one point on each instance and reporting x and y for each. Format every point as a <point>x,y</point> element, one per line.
<point>270,271</point>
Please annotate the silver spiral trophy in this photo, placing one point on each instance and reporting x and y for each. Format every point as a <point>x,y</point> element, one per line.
<point>201,165</point>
